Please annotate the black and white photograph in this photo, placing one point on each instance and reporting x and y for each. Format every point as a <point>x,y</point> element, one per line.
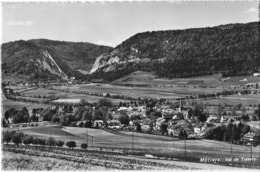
<point>130,85</point>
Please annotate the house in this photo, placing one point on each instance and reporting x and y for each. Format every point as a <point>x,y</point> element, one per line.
<point>98,123</point>
<point>256,74</point>
<point>251,138</point>
<point>167,116</point>
<point>212,118</point>
<point>198,129</point>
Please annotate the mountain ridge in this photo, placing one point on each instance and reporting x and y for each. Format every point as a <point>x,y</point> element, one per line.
<point>230,49</point>
<point>47,59</point>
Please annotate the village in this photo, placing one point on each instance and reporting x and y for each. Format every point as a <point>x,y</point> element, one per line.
<point>181,119</point>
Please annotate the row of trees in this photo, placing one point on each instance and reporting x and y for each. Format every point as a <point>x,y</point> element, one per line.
<point>231,132</point>
<point>19,138</point>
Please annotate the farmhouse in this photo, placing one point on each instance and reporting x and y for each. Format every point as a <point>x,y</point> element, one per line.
<point>198,129</point>
<point>252,138</point>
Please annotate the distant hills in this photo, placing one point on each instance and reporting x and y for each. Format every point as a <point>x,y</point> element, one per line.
<point>47,59</point>
<point>231,50</point>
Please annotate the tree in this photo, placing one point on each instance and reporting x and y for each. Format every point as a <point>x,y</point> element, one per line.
<point>51,141</point>
<point>183,134</point>
<point>83,102</point>
<point>7,136</point>
<point>138,126</point>
<point>134,117</point>
<point>65,120</point>
<point>27,140</point>
<point>234,132</point>
<point>84,146</point>
<point>71,144</point>
<point>87,114</point>
<point>25,114</point>
<point>105,102</point>
<point>164,127</point>
<point>202,117</point>
<point>245,117</point>
<point>4,123</point>
<point>17,138</point>
<point>88,124</point>
<point>226,136</point>
<point>33,118</point>
<point>55,119</point>
<point>245,130</point>
<point>219,133</point>
<point>98,115</point>
<point>60,143</point>
<point>124,118</point>
<point>36,141</point>
<point>42,142</point>
<point>254,118</point>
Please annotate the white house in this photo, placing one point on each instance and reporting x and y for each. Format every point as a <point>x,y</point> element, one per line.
<point>256,74</point>
<point>199,129</point>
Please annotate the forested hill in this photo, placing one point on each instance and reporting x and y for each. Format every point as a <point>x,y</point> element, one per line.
<point>231,49</point>
<point>47,59</point>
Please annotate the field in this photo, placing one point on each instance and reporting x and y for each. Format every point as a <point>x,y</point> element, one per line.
<point>143,78</point>
<point>124,140</point>
<point>234,100</point>
<point>160,146</point>
<point>151,92</point>
<point>7,104</point>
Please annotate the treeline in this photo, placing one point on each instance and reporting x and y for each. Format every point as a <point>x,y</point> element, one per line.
<point>232,50</point>
<point>231,132</point>
<point>19,138</point>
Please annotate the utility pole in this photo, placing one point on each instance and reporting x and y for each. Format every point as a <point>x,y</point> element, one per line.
<point>132,140</point>
<point>92,141</point>
<point>185,145</point>
<point>231,146</point>
<point>251,151</point>
<point>87,135</point>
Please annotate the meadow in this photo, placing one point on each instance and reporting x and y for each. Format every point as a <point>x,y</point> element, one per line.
<point>149,92</point>
<point>161,146</point>
<point>8,104</point>
<point>113,139</point>
<point>234,100</point>
<point>140,77</point>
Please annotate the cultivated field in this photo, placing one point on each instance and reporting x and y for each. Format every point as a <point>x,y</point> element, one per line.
<point>140,77</point>
<point>234,100</point>
<point>7,104</point>
<point>151,92</point>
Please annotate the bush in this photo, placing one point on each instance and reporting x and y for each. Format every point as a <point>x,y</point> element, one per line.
<point>84,146</point>
<point>71,144</point>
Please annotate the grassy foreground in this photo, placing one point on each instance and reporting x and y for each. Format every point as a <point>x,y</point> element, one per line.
<point>44,158</point>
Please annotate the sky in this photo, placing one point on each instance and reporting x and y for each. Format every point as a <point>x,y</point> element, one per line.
<point>110,23</point>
